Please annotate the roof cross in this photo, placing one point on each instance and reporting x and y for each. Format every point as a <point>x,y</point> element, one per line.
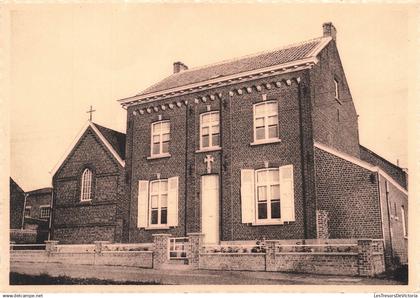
<point>90,112</point>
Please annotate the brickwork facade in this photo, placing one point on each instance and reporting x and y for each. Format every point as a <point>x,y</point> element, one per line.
<point>349,193</point>
<point>104,216</point>
<point>333,198</point>
<point>17,203</point>
<point>236,153</point>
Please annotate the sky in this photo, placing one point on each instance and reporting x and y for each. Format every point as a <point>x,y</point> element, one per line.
<point>64,58</point>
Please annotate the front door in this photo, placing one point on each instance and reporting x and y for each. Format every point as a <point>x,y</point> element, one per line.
<point>210,208</point>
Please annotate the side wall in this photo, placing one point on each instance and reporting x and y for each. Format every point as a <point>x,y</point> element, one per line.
<point>335,122</point>
<point>394,171</point>
<point>17,201</point>
<point>84,222</point>
<point>392,199</point>
<point>350,195</point>
<point>36,201</point>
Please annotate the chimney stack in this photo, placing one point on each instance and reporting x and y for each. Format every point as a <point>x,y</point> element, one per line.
<point>179,66</point>
<point>329,30</point>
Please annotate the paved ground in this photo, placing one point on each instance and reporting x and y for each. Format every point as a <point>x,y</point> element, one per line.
<point>170,277</point>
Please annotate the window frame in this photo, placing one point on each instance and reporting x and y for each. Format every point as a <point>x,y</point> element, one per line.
<point>149,211</point>
<point>210,127</point>
<point>268,184</point>
<point>83,185</point>
<point>44,207</point>
<point>266,125</point>
<point>161,153</point>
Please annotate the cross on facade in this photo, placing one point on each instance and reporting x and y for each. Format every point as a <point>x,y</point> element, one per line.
<point>90,112</point>
<point>209,159</point>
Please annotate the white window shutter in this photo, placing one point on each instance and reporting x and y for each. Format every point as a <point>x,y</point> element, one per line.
<point>287,197</point>
<point>247,196</point>
<point>142,207</point>
<point>173,201</point>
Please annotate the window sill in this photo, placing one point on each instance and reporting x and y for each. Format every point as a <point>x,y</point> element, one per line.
<point>208,149</point>
<point>158,156</point>
<point>268,223</point>
<point>262,142</point>
<point>86,201</point>
<point>157,228</point>
<point>406,237</point>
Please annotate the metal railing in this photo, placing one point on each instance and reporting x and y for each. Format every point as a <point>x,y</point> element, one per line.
<point>235,248</point>
<point>128,247</point>
<point>316,248</point>
<point>178,248</point>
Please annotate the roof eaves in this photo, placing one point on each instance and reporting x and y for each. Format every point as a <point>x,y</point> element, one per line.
<point>76,140</point>
<point>292,65</point>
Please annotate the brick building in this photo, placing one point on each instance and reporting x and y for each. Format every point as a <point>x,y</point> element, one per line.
<point>89,187</point>
<point>264,146</point>
<point>17,203</point>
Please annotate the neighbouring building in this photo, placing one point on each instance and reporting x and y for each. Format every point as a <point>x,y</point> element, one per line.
<point>88,201</point>
<point>17,203</point>
<point>29,214</point>
<point>37,212</point>
<point>264,146</point>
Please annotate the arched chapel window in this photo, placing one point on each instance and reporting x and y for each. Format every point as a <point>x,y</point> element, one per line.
<point>86,189</point>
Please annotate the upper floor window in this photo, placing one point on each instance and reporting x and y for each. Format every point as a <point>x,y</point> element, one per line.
<point>27,211</point>
<point>86,189</point>
<point>336,91</point>
<point>209,130</point>
<point>158,202</point>
<point>160,138</point>
<point>45,211</point>
<point>266,121</point>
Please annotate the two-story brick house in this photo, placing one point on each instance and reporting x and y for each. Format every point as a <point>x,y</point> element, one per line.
<point>264,146</point>
<point>89,201</point>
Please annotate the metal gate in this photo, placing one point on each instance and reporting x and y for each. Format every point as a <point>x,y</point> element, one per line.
<point>178,248</point>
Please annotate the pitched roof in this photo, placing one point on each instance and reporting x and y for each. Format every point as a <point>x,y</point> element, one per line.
<point>115,138</point>
<point>45,190</point>
<point>287,54</point>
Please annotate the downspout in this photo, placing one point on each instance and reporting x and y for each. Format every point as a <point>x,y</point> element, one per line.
<point>303,161</point>
<point>130,187</point>
<point>186,171</point>
<point>221,170</point>
<point>23,211</point>
<point>51,214</point>
<point>389,221</point>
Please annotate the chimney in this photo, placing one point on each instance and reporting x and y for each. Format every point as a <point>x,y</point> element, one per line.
<point>179,66</point>
<point>329,30</point>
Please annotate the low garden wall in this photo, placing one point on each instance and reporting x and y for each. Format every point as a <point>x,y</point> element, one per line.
<point>321,263</point>
<point>354,257</point>
<point>363,257</point>
<point>229,261</point>
<point>92,254</point>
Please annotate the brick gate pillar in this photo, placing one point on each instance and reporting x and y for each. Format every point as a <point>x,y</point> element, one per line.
<point>50,245</point>
<point>270,255</point>
<point>365,262</point>
<point>195,246</point>
<point>160,251</point>
<point>99,245</point>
